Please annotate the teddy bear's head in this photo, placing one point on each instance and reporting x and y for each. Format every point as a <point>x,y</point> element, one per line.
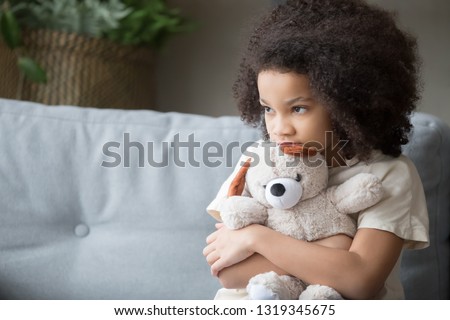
<point>280,180</point>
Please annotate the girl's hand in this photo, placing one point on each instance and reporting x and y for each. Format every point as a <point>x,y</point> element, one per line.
<point>227,247</point>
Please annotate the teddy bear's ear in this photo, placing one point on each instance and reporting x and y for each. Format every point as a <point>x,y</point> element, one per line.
<point>297,150</point>
<point>238,183</point>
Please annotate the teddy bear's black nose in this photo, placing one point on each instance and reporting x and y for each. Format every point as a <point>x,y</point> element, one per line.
<point>277,189</point>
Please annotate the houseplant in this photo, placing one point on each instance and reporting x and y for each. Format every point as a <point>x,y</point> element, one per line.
<point>78,51</point>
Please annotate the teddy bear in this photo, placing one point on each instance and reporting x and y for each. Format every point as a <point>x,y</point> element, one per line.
<point>286,188</point>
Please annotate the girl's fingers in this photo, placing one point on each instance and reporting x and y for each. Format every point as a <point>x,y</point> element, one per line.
<point>208,249</point>
<point>212,258</point>
<point>219,225</point>
<point>217,266</point>
<point>211,238</point>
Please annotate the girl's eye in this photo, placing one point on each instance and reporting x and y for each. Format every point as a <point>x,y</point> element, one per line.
<point>300,110</point>
<point>268,109</point>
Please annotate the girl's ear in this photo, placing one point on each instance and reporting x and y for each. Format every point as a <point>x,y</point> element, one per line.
<point>238,183</point>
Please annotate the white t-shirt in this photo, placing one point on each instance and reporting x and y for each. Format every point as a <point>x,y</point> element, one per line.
<point>402,210</point>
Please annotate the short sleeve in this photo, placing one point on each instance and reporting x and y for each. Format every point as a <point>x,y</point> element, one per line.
<point>403,209</point>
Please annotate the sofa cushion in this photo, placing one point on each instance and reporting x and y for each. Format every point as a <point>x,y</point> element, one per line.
<point>110,204</point>
<point>425,273</point>
<point>75,226</point>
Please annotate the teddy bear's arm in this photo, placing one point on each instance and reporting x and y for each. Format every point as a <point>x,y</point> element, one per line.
<point>357,193</point>
<point>238,212</point>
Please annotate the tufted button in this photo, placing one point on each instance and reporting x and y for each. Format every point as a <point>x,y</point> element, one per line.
<point>81,230</point>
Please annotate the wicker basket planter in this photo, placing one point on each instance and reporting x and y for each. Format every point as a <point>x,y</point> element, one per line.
<point>81,71</point>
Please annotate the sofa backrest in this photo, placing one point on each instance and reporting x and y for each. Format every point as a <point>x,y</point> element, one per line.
<point>425,273</point>
<point>76,223</point>
<point>110,204</point>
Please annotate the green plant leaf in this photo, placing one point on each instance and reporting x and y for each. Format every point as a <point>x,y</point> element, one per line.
<point>10,29</point>
<point>131,22</point>
<point>32,70</point>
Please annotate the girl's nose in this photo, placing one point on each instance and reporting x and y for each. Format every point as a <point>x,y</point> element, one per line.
<point>283,127</point>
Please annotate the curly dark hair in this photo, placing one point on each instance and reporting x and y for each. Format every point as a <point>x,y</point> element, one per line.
<point>360,65</point>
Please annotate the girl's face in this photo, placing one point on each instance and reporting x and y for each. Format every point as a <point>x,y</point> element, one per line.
<point>292,114</point>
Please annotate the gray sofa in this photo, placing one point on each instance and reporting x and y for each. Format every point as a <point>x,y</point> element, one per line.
<point>110,204</point>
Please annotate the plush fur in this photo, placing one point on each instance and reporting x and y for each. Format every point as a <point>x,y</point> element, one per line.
<point>289,194</point>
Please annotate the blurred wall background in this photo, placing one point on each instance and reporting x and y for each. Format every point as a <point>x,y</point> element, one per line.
<point>196,71</point>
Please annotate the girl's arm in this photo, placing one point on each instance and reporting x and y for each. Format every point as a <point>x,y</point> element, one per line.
<point>357,273</point>
<point>238,275</point>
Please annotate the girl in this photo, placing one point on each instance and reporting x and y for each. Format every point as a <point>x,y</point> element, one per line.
<point>340,66</point>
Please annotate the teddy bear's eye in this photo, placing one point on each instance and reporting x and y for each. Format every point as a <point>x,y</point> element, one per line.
<point>284,193</point>
<point>298,178</point>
